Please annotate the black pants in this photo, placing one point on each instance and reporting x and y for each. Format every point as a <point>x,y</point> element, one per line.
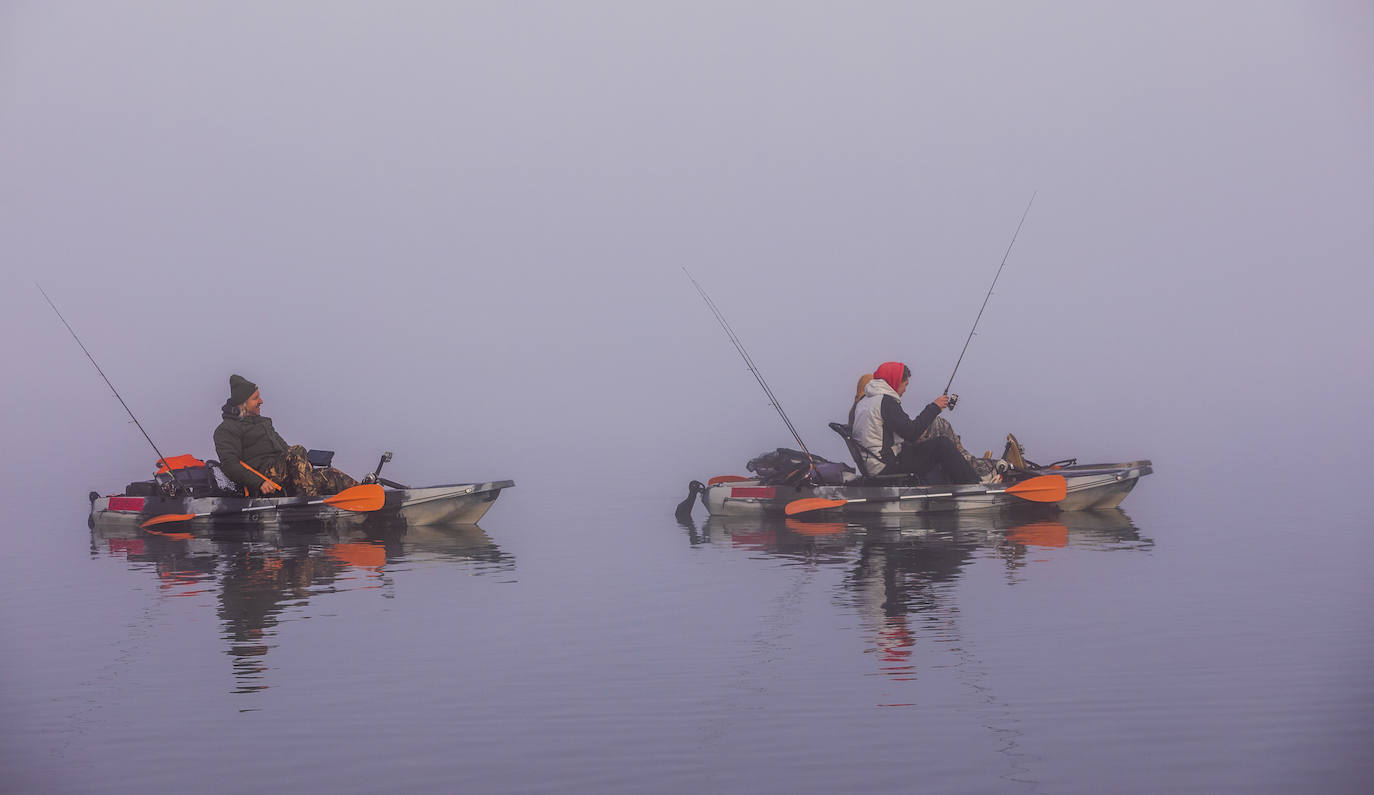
<point>939,453</point>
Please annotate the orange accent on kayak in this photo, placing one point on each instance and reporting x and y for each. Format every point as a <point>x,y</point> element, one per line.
<point>763,492</point>
<point>725,479</point>
<point>186,461</point>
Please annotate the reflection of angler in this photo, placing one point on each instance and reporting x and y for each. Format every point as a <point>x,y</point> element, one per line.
<point>893,580</point>
<point>897,578</point>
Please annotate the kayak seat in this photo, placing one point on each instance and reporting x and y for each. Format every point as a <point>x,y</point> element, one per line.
<point>862,456</point>
<point>856,452</point>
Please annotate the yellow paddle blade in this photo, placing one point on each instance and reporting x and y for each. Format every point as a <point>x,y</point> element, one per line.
<point>1046,488</point>
<point>811,504</point>
<point>168,517</point>
<point>367,497</point>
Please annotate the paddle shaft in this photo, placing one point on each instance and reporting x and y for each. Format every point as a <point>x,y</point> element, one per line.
<point>1045,488</point>
<point>265,479</point>
<point>928,496</point>
<point>986,297</point>
<point>370,496</point>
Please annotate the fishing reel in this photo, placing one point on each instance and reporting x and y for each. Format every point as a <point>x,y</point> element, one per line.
<point>953,398</point>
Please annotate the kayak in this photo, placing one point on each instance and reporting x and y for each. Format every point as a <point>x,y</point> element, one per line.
<point>1085,487</point>
<point>457,503</point>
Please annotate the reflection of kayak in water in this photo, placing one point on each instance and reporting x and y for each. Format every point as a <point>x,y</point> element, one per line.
<point>1103,529</point>
<point>371,544</point>
<point>464,503</point>
<point>1086,487</point>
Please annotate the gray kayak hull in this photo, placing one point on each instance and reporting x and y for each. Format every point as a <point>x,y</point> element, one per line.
<point>458,503</point>
<point>1089,487</point>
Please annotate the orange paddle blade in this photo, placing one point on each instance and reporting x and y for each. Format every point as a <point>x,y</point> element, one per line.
<point>1046,488</point>
<point>811,504</point>
<point>168,517</point>
<point>725,479</point>
<point>367,497</point>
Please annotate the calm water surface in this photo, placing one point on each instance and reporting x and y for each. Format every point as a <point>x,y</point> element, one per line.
<point>1187,643</point>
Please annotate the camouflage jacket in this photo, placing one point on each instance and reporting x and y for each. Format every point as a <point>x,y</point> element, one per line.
<point>249,439</point>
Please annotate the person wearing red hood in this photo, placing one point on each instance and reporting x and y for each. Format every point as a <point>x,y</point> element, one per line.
<point>883,429</point>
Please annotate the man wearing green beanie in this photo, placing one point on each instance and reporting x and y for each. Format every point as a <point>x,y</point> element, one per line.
<point>254,455</point>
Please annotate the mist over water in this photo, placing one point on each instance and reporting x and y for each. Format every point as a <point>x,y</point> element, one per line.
<point>457,233</point>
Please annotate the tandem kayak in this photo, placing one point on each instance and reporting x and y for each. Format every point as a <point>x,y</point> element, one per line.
<point>1085,487</point>
<point>457,503</point>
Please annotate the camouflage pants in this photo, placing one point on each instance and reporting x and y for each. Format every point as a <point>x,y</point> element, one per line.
<point>297,478</point>
<point>941,427</point>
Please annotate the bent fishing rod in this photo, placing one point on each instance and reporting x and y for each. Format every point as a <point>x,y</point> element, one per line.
<point>749,362</point>
<point>160,457</point>
<point>954,398</point>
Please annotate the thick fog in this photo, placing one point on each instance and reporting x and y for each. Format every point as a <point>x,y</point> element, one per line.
<point>457,230</point>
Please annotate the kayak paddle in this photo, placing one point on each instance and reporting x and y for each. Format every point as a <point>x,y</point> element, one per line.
<point>725,479</point>
<point>1045,488</point>
<point>367,497</point>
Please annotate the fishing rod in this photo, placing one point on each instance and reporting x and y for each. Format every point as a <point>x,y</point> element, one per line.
<point>160,457</point>
<point>954,398</point>
<point>749,362</point>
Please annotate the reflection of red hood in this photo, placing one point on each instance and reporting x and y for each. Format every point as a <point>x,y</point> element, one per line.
<point>891,372</point>
<point>895,639</point>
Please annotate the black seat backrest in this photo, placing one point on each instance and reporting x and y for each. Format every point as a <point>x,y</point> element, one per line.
<point>862,454</point>
<point>856,450</point>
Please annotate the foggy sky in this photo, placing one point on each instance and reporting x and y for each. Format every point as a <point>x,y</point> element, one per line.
<point>456,230</point>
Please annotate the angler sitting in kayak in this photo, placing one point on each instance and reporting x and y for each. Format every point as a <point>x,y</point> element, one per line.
<point>254,455</point>
<point>882,428</point>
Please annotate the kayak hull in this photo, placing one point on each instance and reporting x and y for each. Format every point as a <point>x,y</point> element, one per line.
<point>1089,487</point>
<point>459,503</point>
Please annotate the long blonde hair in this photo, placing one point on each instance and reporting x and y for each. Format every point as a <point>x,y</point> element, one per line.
<point>863,384</point>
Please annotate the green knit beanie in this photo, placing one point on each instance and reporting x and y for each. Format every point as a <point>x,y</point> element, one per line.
<point>240,389</point>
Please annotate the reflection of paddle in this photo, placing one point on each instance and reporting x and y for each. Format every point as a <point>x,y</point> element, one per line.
<point>809,528</point>
<point>1040,534</point>
<point>367,497</point>
<point>1046,488</point>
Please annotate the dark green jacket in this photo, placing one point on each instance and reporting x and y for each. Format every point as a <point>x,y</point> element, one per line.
<point>247,439</point>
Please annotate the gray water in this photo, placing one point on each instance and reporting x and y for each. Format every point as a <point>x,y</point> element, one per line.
<point>1189,642</point>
